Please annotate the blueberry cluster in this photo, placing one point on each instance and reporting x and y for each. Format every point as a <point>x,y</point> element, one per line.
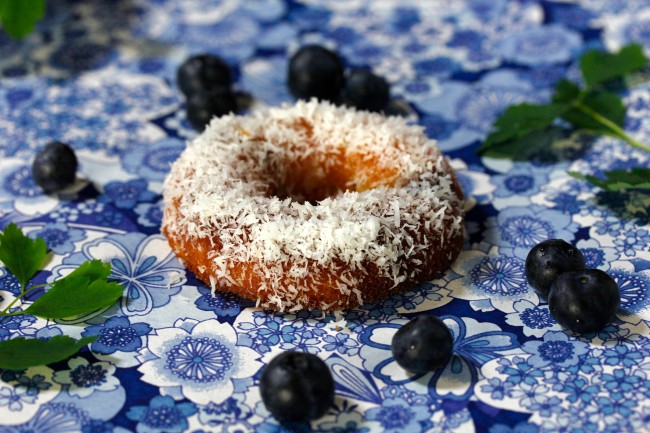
<point>206,82</point>
<point>582,300</point>
<point>316,72</point>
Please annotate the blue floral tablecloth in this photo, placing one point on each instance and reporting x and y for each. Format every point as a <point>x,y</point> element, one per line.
<point>100,75</point>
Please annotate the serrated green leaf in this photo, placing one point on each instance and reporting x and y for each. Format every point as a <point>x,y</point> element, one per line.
<point>77,294</point>
<point>617,180</point>
<point>21,353</point>
<point>21,255</point>
<point>92,269</point>
<point>592,107</point>
<point>19,17</point>
<point>517,122</point>
<point>600,67</point>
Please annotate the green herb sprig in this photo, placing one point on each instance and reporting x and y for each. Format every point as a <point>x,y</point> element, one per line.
<point>83,291</point>
<point>19,17</point>
<point>525,129</point>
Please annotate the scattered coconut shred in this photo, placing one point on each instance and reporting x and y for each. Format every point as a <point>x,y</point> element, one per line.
<point>243,181</point>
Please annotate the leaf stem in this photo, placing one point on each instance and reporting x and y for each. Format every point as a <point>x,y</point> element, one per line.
<point>611,125</point>
<point>22,295</point>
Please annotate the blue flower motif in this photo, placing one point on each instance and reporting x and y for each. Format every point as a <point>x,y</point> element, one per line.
<point>202,361</point>
<point>521,180</point>
<point>634,288</point>
<point>162,415</point>
<point>152,160</point>
<point>535,319</point>
<point>342,343</point>
<point>634,240</point>
<point>396,415</point>
<point>490,281</point>
<point>620,380</point>
<point>145,265</point>
<point>616,404</point>
<point>623,355</point>
<point>34,384</point>
<point>59,237</point>
<point>84,378</point>
<point>518,229</point>
<point>541,45</point>
<point>596,255</point>
<point>13,398</point>
<point>266,331</point>
<point>556,349</point>
<point>546,406</point>
<point>126,195</point>
<point>579,389</point>
<point>117,333</point>
<point>223,304</point>
<point>497,388</point>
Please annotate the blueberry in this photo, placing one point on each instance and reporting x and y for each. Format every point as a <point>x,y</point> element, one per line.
<point>203,73</point>
<point>366,91</point>
<point>55,167</point>
<point>317,72</point>
<point>584,301</point>
<point>423,344</point>
<point>202,107</point>
<point>548,260</point>
<point>297,387</point>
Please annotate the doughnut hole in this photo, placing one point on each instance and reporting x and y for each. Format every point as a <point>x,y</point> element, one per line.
<point>308,172</point>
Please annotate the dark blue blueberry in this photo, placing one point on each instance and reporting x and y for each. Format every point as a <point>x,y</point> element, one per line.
<point>423,344</point>
<point>203,73</point>
<point>584,301</point>
<point>55,167</point>
<point>202,107</point>
<point>317,72</point>
<point>297,387</point>
<point>548,260</point>
<point>366,91</point>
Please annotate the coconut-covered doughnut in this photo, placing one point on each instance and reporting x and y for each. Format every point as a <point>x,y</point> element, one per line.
<point>313,206</point>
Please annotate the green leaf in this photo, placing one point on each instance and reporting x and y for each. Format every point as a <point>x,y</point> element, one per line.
<point>20,254</point>
<point>78,293</point>
<point>594,107</point>
<point>566,92</point>
<point>19,17</point>
<point>92,269</point>
<point>617,180</point>
<point>21,353</point>
<point>524,148</point>
<point>517,122</point>
<point>599,67</point>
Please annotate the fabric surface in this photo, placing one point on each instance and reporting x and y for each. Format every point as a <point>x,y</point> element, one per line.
<point>100,75</point>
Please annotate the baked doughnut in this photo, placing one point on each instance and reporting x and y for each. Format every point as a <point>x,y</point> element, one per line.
<point>313,206</point>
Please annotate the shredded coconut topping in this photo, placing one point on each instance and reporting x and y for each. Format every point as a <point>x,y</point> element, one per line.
<point>311,185</point>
